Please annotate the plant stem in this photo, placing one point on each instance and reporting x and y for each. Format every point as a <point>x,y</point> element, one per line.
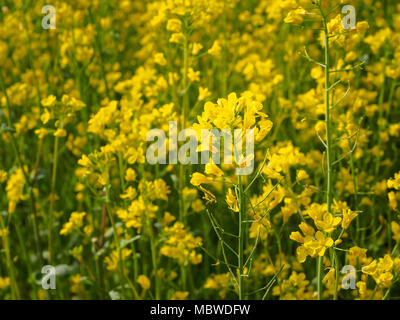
<point>118,246</point>
<point>6,245</point>
<point>337,267</point>
<point>153,253</point>
<point>52,196</point>
<point>242,217</point>
<point>328,139</point>
<point>183,120</point>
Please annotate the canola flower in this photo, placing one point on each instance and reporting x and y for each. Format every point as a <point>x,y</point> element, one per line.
<point>322,186</point>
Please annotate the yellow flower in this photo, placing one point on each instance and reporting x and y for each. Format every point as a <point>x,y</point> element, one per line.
<point>167,219</point>
<point>113,259</point>
<point>180,295</point>
<point>76,252</point>
<point>328,222</point>
<point>395,182</point>
<point>177,37</point>
<point>75,221</point>
<point>317,246</point>
<point>4,282</point>
<point>45,117</point>
<point>160,59</point>
<point>14,189</point>
<point>385,279</point>
<point>144,282</point>
<point>396,231</point>
<point>296,236</point>
<point>174,25</point>
<point>180,244</point>
<point>213,169</point>
<point>348,216</point>
<point>362,26</point>
<point>306,229</point>
<point>84,161</point>
<point>203,93</point>
<point>196,48</point>
<point>49,101</point>
<point>130,175</point>
<point>197,205</point>
<point>215,50</point>
<point>41,133</point>
<point>392,200</point>
<point>295,16</point>
<point>302,175</point>
<point>232,201</point>
<point>193,76</point>
<point>329,278</point>
<point>60,133</point>
<point>198,178</point>
<point>130,194</point>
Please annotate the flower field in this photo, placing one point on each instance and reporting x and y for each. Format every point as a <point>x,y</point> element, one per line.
<point>103,197</point>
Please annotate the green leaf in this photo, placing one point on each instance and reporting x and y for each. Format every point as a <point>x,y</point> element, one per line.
<point>124,243</point>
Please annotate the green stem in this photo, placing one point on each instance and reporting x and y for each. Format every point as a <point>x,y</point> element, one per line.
<point>6,245</point>
<point>122,179</point>
<point>183,120</point>
<point>319,277</point>
<point>242,217</point>
<point>117,245</point>
<point>328,139</point>
<point>337,268</point>
<point>52,196</point>
<point>153,255</point>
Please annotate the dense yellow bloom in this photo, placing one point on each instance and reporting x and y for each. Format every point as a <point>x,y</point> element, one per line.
<point>75,221</point>
<point>14,189</point>
<point>174,25</point>
<point>218,282</point>
<point>113,259</point>
<point>381,271</point>
<point>133,216</point>
<point>314,247</point>
<point>109,74</point>
<point>49,101</point>
<point>181,245</point>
